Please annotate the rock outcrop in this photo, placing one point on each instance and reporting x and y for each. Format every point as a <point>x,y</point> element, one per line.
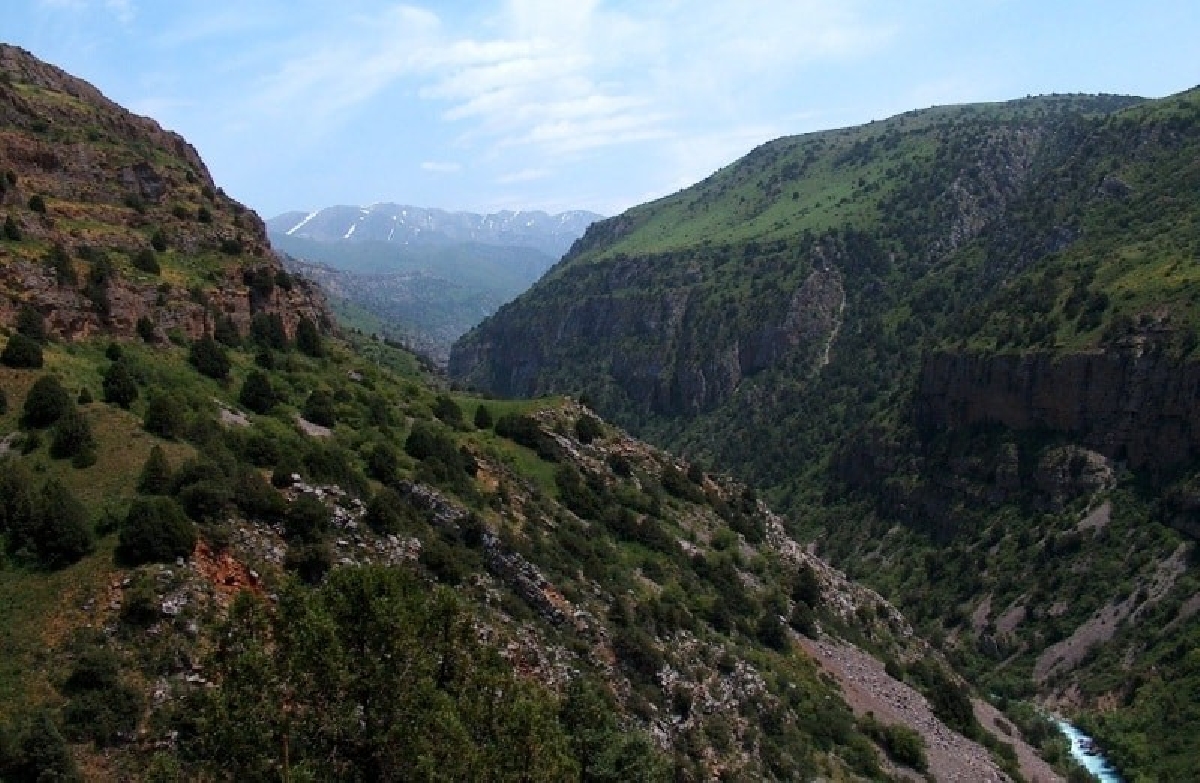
<point>1143,409</point>
<point>87,188</point>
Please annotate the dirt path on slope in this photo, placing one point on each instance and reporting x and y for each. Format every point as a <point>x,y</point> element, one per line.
<point>952,757</point>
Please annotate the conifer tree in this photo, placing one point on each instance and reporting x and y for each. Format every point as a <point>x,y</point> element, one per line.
<point>156,473</point>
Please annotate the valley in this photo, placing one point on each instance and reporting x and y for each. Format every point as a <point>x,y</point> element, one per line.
<point>857,460</point>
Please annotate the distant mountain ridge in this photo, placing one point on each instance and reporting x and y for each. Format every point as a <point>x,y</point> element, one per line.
<point>423,276</point>
<point>408,225</point>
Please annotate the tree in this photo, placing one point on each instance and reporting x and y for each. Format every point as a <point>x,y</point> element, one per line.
<point>46,402</point>
<point>257,394</point>
<point>40,753</point>
<point>483,417</point>
<point>146,260</point>
<point>209,358</point>
<point>225,332</point>
<point>73,438</point>
<point>308,338</point>
<point>12,231</point>
<point>383,463</point>
<point>165,416</point>
<point>62,529</point>
<point>37,203</point>
<point>156,476</point>
<point>3,402</point>
<point>588,428</point>
<point>120,387</point>
<point>267,330</point>
<point>306,519</point>
<point>446,409</point>
<point>59,260</point>
<point>155,531</point>
<point>22,352</point>
<point>145,329</point>
<point>31,323</point>
<point>319,408</point>
<point>16,500</point>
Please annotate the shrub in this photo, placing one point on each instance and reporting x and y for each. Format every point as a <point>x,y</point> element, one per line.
<point>37,203</point>
<point>308,339</point>
<point>306,519</point>
<point>73,437</point>
<point>3,402</point>
<point>119,385</point>
<point>386,512</point>
<point>146,260</point>
<point>158,241</point>
<point>267,330</point>
<point>40,753</point>
<point>225,332</point>
<point>12,231</point>
<point>203,214</point>
<point>447,410</point>
<point>165,416</point>
<point>155,531</point>
<point>101,708</point>
<point>22,352</point>
<point>31,323</point>
<point>59,260</point>
<point>483,417</point>
<point>257,394</point>
<point>319,409</point>
<point>156,475</point>
<point>383,463</point>
<point>588,428</point>
<point>310,560</point>
<point>46,402</point>
<point>145,329</point>
<point>62,531</point>
<point>209,358</point>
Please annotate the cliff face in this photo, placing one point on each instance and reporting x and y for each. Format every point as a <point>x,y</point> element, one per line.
<point>86,186</point>
<point>673,349</point>
<point>1143,409</point>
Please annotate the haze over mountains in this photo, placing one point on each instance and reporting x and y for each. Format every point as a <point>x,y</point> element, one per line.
<point>423,276</point>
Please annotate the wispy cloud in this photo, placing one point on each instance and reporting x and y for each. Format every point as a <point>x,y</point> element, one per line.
<point>563,79</point>
<point>439,167</point>
<point>524,175</point>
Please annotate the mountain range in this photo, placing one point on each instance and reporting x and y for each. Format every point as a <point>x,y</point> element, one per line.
<point>423,276</point>
<point>239,544</point>
<point>958,348</point>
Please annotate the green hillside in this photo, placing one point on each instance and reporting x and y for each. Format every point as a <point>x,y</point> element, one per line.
<point>236,545</point>
<point>942,343</point>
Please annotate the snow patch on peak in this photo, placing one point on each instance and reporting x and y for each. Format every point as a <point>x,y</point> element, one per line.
<point>293,229</point>
<point>350,233</point>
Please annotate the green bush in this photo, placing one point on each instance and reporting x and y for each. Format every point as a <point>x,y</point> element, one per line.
<point>73,438</point>
<point>319,408</point>
<point>257,394</point>
<point>588,428</point>
<point>154,531</point>
<point>37,203</point>
<point>22,352</point>
<point>308,339</point>
<point>12,231</point>
<point>61,532</point>
<point>147,261</point>
<point>165,416</point>
<point>46,402</point>
<point>209,358</point>
<point>307,519</point>
<point>145,329</point>
<point>31,323</point>
<point>483,417</point>
<point>156,477</point>
<point>120,387</point>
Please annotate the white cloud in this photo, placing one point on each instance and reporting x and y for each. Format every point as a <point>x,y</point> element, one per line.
<point>524,175</point>
<point>437,167</point>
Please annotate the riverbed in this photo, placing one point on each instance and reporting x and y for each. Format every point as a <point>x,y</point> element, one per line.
<point>1095,763</point>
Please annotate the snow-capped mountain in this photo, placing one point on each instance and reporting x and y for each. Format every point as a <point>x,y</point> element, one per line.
<point>408,225</point>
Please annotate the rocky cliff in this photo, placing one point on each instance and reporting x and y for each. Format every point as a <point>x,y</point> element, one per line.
<point>1143,409</point>
<point>109,219</point>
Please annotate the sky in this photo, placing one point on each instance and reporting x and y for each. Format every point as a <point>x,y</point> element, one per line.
<point>568,104</point>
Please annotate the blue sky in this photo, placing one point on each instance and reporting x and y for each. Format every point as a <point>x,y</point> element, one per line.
<point>568,104</point>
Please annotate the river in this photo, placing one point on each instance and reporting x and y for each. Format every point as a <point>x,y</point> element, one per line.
<point>1095,763</point>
